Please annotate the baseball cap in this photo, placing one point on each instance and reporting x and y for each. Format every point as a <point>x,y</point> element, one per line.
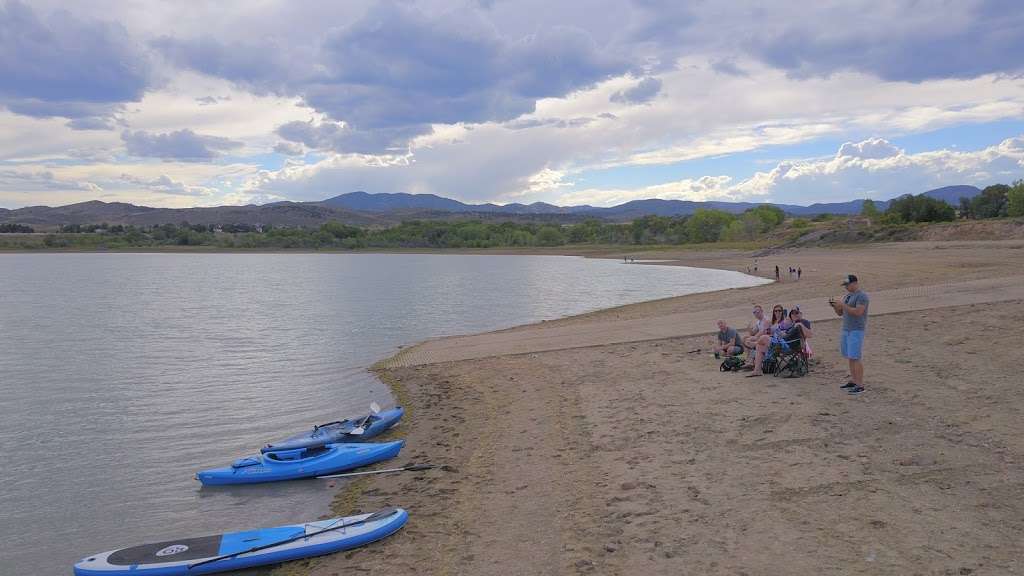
<point>849,279</point>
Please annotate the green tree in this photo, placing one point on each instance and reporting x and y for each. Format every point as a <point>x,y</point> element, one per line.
<point>991,203</point>
<point>919,209</point>
<point>869,210</point>
<point>1015,199</point>
<point>707,225</point>
<point>770,216</point>
<point>550,236</point>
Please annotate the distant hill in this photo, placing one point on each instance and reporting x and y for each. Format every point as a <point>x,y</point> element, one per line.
<point>382,209</point>
<point>277,214</point>
<point>366,202</point>
<point>953,194</point>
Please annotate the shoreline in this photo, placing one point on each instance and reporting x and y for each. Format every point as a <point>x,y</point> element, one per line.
<point>644,457</point>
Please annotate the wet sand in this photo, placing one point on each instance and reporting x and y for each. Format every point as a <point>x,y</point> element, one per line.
<point>641,457</point>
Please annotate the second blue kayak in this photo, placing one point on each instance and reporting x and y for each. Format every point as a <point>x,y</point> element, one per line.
<point>300,463</point>
<point>335,432</point>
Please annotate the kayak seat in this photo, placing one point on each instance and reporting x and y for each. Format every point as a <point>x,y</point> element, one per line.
<point>297,454</point>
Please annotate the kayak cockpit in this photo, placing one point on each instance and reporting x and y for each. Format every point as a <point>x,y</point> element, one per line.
<point>297,454</point>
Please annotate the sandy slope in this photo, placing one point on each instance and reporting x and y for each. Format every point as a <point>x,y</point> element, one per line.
<point>642,458</point>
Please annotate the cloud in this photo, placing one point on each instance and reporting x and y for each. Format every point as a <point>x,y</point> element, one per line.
<point>340,137</point>
<point>879,170</point>
<point>871,168</point>
<point>901,41</point>
<point>644,91</point>
<point>210,100</point>
<point>693,189</point>
<point>66,66</point>
<point>164,184</point>
<point>91,123</point>
<point>872,148</point>
<point>727,66</point>
<point>289,148</point>
<point>28,181</point>
<point>395,70</point>
<point>184,145</point>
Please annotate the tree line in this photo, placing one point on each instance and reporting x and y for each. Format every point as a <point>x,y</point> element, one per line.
<point>16,229</point>
<point>995,201</point>
<point>701,227</point>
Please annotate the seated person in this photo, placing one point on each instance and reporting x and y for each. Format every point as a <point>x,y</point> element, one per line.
<point>758,326</point>
<point>788,329</point>
<point>728,341</point>
<point>799,329</point>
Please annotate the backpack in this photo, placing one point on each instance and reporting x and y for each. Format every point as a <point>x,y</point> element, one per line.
<point>732,364</point>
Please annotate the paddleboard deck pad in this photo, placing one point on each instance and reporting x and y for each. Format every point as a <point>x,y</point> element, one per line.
<point>280,544</point>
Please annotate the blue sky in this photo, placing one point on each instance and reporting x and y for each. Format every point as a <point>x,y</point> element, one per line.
<point>187,104</point>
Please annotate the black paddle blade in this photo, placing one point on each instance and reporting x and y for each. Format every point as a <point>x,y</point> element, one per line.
<point>379,514</point>
<point>418,467</point>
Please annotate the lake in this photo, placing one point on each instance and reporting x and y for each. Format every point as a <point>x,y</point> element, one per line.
<point>121,375</point>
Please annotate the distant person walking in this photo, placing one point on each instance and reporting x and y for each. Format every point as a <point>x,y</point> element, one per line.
<point>853,307</point>
<point>777,277</point>
<point>799,273</point>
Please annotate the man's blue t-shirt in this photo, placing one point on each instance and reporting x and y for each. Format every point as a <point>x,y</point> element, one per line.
<point>851,322</point>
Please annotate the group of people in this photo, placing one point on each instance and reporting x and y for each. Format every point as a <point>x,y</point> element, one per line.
<point>794,272</point>
<point>789,328</point>
<point>784,329</point>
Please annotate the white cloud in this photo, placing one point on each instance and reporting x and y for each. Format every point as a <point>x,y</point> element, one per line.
<point>164,184</point>
<point>714,80</point>
<point>870,148</point>
<point>872,168</point>
<point>700,189</point>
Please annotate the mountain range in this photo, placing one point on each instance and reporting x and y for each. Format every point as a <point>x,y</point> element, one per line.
<point>366,202</point>
<point>384,209</point>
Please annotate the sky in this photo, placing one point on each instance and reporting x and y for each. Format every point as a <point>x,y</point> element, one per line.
<point>203,103</point>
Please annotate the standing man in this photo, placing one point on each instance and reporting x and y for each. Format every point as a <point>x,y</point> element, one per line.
<point>854,309</point>
<point>777,278</point>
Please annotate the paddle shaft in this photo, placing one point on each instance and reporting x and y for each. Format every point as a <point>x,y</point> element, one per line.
<point>375,516</point>
<point>409,468</point>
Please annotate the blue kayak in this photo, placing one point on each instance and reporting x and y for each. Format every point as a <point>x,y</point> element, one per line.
<point>300,463</point>
<point>341,431</point>
<point>238,550</point>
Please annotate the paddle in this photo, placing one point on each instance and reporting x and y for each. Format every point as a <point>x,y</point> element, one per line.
<point>409,468</point>
<point>317,427</point>
<point>371,518</point>
<point>359,429</point>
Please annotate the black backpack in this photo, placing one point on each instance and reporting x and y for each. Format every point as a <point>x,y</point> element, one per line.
<point>732,364</point>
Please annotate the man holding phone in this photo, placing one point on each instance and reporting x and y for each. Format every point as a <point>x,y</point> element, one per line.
<point>854,309</point>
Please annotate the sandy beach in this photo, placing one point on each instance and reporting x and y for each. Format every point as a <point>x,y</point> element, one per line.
<point>640,457</point>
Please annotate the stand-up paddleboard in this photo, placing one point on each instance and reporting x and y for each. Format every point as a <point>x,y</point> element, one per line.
<point>300,463</point>
<point>237,550</point>
<point>350,430</point>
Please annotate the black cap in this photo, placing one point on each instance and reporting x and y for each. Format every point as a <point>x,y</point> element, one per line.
<point>850,279</point>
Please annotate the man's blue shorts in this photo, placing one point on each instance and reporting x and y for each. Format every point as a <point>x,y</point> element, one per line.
<point>850,343</point>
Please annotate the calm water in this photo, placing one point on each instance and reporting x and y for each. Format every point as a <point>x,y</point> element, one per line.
<point>123,374</point>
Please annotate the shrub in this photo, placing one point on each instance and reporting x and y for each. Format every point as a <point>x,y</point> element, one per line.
<point>921,209</point>
<point>1015,199</point>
